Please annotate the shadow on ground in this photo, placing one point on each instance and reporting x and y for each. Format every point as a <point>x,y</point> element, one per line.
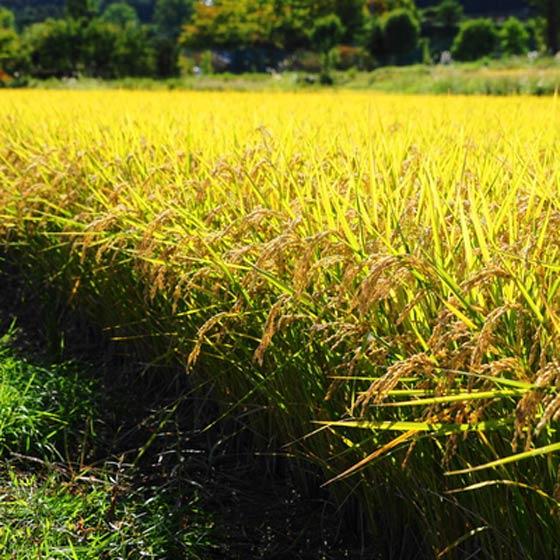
<point>155,435</point>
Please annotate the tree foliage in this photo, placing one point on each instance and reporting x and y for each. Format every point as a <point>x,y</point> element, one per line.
<point>7,19</point>
<point>352,14</point>
<point>252,34</point>
<point>550,9</point>
<point>381,7</point>
<point>372,37</point>
<point>54,47</point>
<point>120,14</point>
<point>476,38</point>
<point>401,31</point>
<point>68,48</point>
<point>514,38</point>
<point>171,15</point>
<point>80,9</point>
<point>327,33</point>
<point>229,23</point>
<point>280,23</point>
<point>10,51</point>
<point>449,13</point>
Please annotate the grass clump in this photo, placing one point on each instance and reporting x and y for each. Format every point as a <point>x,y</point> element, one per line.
<point>41,409</point>
<point>60,498</point>
<point>88,517</point>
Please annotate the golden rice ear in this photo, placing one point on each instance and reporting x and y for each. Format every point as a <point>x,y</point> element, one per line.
<point>203,331</point>
<point>270,328</point>
<point>379,390</point>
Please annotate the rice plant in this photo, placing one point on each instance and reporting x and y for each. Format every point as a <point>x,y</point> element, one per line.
<point>372,280</point>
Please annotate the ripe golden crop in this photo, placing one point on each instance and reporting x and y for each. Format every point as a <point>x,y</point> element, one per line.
<point>385,268</point>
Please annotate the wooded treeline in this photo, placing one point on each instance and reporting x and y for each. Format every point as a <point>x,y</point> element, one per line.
<point>163,38</point>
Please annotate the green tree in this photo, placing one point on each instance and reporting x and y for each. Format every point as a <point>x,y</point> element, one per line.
<point>372,37</point>
<point>111,51</point>
<point>230,24</point>
<point>120,14</point>
<point>291,20</point>
<point>134,54</point>
<point>476,38</point>
<point>514,38</point>
<point>449,13</point>
<point>55,47</point>
<point>171,15</point>
<point>401,31</point>
<point>11,57</point>
<point>7,19</point>
<point>166,56</point>
<point>144,9</point>
<point>551,11</point>
<point>381,7</point>
<point>80,9</point>
<point>327,33</point>
<point>99,42</point>
<point>352,16</point>
<point>536,28</point>
<point>270,23</point>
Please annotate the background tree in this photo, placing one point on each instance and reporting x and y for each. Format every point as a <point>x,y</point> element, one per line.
<point>372,37</point>
<point>99,41</point>
<point>55,47</point>
<point>11,56</point>
<point>536,28</point>
<point>291,21</point>
<point>551,11</point>
<point>230,24</point>
<point>7,19</point>
<point>120,14</point>
<point>327,32</point>
<point>169,18</point>
<point>401,31</point>
<point>449,13</point>
<point>440,24</point>
<point>80,9</point>
<point>165,55</point>
<point>476,38</point>
<point>352,15</point>
<point>171,15</point>
<point>514,38</point>
<point>144,9</point>
<point>134,53</point>
<point>381,7</point>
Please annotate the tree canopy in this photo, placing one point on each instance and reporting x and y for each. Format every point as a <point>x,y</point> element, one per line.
<point>110,38</point>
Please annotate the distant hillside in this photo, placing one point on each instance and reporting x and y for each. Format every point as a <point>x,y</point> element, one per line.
<point>487,7</point>
<point>31,11</point>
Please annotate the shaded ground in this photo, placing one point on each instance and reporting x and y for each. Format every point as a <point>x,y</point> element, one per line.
<point>158,467</point>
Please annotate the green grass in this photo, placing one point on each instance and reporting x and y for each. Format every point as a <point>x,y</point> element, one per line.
<point>511,76</point>
<point>55,505</point>
<point>89,517</point>
<point>463,79</point>
<point>42,410</point>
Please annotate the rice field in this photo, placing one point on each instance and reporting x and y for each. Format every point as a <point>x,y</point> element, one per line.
<point>372,281</point>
